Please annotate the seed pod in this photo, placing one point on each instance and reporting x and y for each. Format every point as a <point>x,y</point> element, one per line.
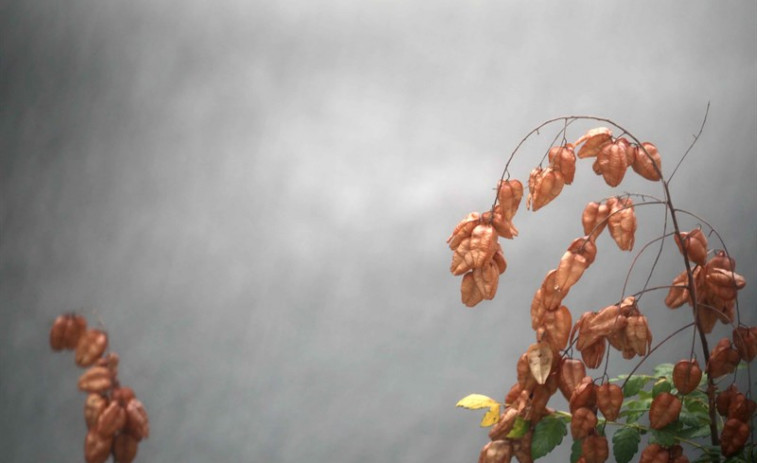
<point>723,359</point>
<point>572,371</point>
<point>745,340</point>
<point>594,219</point>
<point>686,375</point>
<point>554,328</point>
<point>463,230</point>
<point>499,260</point>
<point>695,245</point>
<point>111,420</point>
<point>95,379</point>
<point>664,410</point>
<point>595,449</point>
<point>504,425</point>
<point>498,451</point>
<point>612,162</point>
<point>124,448</point>
<point>679,293</point>
<point>460,260</point>
<point>509,195</point>
<point>66,331</point>
<point>577,258</point>
<point>525,378</point>
<point>93,407</point>
<point>551,294</point>
<point>676,454</point>
<point>741,408</point>
<point>522,448</point>
<point>483,245</point>
<point>643,165</point>
<point>593,354</point>
<point>622,222</point>
<point>137,422</point>
<point>638,335</point>
<point>562,159</point>
<point>91,346</point>
<point>654,453</point>
<point>583,421</point>
<point>122,395</point>
<point>513,394</point>
<point>723,400</point>
<point>97,447</point>
<point>544,185</point>
<point>734,436</point>
<point>584,395</point>
<point>486,278</point>
<point>539,361</point>
<point>609,400</point>
<point>593,141</point>
<point>469,293</point>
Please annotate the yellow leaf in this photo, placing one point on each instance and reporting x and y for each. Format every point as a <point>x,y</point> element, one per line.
<point>491,417</point>
<point>476,401</point>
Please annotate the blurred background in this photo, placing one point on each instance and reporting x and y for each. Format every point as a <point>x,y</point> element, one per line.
<point>253,199</point>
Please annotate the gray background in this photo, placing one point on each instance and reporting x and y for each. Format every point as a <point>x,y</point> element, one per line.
<point>253,198</point>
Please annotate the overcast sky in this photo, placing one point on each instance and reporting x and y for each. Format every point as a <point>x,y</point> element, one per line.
<point>253,199</point>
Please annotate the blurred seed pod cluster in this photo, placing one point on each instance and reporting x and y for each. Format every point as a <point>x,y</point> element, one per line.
<point>116,420</point>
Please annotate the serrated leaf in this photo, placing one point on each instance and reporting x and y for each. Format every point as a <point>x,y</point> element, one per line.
<point>664,370</point>
<point>476,401</point>
<point>520,428</point>
<point>634,385</point>
<point>548,434</point>
<point>491,417</point>
<point>625,444</point>
<point>694,432</point>
<point>662,437</point>
<point>575,451</point>
<point>662,385</point>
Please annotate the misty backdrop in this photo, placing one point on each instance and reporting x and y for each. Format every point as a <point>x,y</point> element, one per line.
<point>253,199</point>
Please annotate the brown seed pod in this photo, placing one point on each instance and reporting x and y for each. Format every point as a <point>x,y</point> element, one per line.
<point>94,405</point>
<point>469,293</point>
<point>137,422</point>
<point>525,378</point>
<point>124,448</point>
<point>460,260</point>
<point>66,331</point>
<point>745,340</point>
<point>522,448</point>
<point>505,424</point>
<point>643,165</point>
<point>580,254</point>
<point>595,449</point>
<point>723,400</point>
<point>509,194</point>
<point>96,447</point>
<point>679,293</point>
<point>654,453</point>
<point>572,371</point>
<point>92,344</point>
<point>584,395</point>
<point>551,294</point>
<point>612,161</point>
<point>594,219</point>
<point>463,230</point>
<point>741,408</point>
<point>664,410</point>
<point>593,141</point>
<point>562,159</point>
<point>638,335</point>
<point>583,421</point>
<point>609,400</point>
<point>593,354</point>
<point>554,328</point>
<point>483,245</point>
<point>686,375</point>
<point>622,222</point>
<point>723,359</point>
<point>96,379</point>
<point>498,451</point>
<point>111,420</point>
<point>486,278</point>
<point>544,185</point>
<point>695,245</point>
<point>513,394</point>
<point>734,436</point>
<point>122,395</point>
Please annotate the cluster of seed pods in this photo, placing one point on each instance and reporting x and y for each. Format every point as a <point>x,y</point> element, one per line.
<point>116,420</point>
<point>737,410</point>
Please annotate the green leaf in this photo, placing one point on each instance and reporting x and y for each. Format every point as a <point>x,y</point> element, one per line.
<point>476,401</point>
<point>666,436</point>
<point>548,434</point>
<point>575,451</point>
<point>662,385</point>
<point>634,385</point>
<point>664,370</point>
<point>520,428</point>
<point>625,444</point>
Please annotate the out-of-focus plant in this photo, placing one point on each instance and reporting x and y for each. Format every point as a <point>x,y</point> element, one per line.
<point>684,404</point>
<point>116,420</point>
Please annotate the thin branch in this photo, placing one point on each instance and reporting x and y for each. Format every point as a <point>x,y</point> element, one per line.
<point>694,142</point>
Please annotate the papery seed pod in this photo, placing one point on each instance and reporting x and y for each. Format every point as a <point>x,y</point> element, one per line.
<point>502,226</point>
<point>654,453</point>
<point>498,451</point>
<point>723,399</point>
<point>612,162</point>
<point>664,410</point>
<point>509,195</point>
<point>552,294</point>
<point>572,371</point>
<point>723,359</point>
<point>538,309</point>
<point>513,393</point>
<point>137,422</point>
<point>686,375</point>
<point>745,340</point>
<point>539,398</point>
<point>96,379</point>
<point>734,436</point>
<point>96,447</point>
<point>574,262</point>
<point>694,245</point>
<point>505,424</point>
<point>539,361</point>
<point>544,185</point>
<point>638,334</point>
<point>678,293</point>
<point>486,278</point>
<point>724,283</point>
<point>556,326</point>
<point>706,318</point>
<point>609,400</point>
<point>483,245</point>
<point>593,141</point>
<point>584,395</point>
<point>593,354</point>
<point>66,331</point>
<point>94,405</point>
<point>109,361</point>
<point>583,421</point>
<point>676,454</point>
<point>499,260</point>
<point>522,448</point>
<point>604,322</point>
<point>463,230</point>
<point>111,420</point>
<point>594,219</point>
<point>124,448</point>
<point>622,222</point>
<point>469,293</point>
<point>92,344</point>
<point>595,449</point>
<point>562,159</point>
<point>643,165</point>
<point>460,260</point>
<point>523,369</point>
<point>741,408</point>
